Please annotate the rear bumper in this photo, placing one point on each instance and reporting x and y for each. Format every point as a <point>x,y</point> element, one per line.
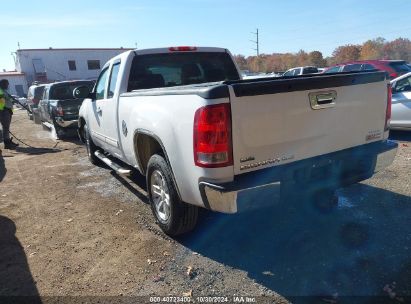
<point>66,123</point>
<point>335,169</point>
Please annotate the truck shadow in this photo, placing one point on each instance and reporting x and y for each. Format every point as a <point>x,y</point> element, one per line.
<point>356,249</point>
<point>16,281</point>
<point>136,179</point>
<point>400,135</point>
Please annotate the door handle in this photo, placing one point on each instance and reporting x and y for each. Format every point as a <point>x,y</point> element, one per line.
<point>99,110</point>
<point>321,100</point>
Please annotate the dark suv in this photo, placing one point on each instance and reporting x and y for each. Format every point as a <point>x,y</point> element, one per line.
<point>58,108</point>
<point>394,68</point>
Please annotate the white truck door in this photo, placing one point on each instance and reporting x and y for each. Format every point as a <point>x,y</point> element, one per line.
<point>96,115</point>
<point>109,114</point>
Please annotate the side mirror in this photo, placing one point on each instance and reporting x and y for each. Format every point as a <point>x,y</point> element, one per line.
<point>82,92</point>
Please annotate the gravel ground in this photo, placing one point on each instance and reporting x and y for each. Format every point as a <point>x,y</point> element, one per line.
<point>68,228</point>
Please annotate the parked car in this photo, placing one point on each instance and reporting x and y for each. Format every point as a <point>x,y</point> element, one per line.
<point>394,68</point>
<point>301,71</point>
<point>401,103</point>
<point>184,118</point>
<point>34,95</point>
<point>58,108</point>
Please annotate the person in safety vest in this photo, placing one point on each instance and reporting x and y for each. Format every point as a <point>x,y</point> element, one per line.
<point>6,112</point>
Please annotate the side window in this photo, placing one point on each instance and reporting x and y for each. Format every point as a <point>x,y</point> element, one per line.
<point>296,72</point>
<point>333,70</point>
<point>289,73</point>
<point>352,68</point>
<point>310,70</point>
<point>367,67</point>
<point>403,85</point>
<point>101,84</point>
<point>113,80</point>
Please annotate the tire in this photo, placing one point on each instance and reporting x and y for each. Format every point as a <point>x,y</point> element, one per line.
<point>172,215</point>
<point>90,147</point>
<point>60,132</point>
<point>36,118</point>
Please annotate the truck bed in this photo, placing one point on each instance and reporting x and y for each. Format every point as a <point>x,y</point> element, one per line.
<point>276,121</point>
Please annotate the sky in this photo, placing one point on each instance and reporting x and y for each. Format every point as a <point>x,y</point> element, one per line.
<point>284,26</point>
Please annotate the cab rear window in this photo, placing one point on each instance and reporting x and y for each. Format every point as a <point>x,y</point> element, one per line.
<point>177,69</point>
<point>65,91</point>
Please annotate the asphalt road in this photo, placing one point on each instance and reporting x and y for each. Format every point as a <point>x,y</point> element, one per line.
<point>68,228</point>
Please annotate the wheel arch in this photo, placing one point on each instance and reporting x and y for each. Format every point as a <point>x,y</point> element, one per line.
<point>146,144</point>
<point>81,124</point>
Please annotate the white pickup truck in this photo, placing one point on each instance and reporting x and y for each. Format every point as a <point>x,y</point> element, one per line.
<point>184,118</point>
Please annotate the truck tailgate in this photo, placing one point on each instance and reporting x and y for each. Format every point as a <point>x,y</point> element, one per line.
<point>70,107</point>
<point>279,121</point>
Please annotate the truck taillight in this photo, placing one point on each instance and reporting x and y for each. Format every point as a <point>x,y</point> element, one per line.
<point>59,111</point>
<point>212,136</point>
<point>182,48</point>
<point>388,111</point>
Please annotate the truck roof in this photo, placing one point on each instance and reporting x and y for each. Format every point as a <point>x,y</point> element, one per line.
<point>172,49</point>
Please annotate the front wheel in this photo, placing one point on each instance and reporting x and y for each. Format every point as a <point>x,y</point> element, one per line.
<point>90,146</point>
<point>173,216</point>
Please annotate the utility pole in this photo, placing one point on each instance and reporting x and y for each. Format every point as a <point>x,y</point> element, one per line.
<point>257,42</point>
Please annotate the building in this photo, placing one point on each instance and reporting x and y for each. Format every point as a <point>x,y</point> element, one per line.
<point>50,65</point>
<point>17,82</point>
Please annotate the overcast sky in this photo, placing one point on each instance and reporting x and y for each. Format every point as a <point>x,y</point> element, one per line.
<point>285,26</point>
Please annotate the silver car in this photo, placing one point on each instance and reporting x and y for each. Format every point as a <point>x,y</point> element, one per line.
<point>401,103</point>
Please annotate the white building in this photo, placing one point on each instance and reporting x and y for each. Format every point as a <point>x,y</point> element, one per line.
<point>49,65</point>
<point>17,82</point>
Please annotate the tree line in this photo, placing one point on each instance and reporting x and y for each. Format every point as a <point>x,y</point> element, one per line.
<point>378,48</point>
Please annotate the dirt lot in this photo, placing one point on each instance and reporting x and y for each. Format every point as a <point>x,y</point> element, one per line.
<point>68,228</point>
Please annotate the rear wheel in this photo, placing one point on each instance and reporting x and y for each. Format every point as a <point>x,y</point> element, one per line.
<point>173,216</point>
<point>60,132</point>
<point>90,146</point>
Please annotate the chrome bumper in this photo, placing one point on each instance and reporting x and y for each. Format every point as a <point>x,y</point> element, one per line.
<point>66,123</point>
<point>224,197</point>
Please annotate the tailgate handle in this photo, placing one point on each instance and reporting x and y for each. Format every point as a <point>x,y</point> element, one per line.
<point>322,100</point>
